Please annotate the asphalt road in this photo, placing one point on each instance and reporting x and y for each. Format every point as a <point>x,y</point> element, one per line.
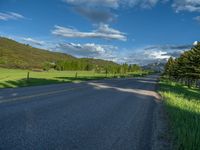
<point>96,115</point>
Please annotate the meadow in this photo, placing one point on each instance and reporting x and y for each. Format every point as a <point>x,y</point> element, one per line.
<point>183,108</point>
<point>10,78</point>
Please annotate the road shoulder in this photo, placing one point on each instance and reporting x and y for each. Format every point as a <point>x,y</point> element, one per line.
<point>161,139</point>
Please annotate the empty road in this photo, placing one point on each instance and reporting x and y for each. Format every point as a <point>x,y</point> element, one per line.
<point>95,115</point>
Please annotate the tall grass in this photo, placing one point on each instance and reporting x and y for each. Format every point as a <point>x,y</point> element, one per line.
<point>183,107</point>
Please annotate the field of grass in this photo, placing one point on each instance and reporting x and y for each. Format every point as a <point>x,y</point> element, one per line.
<point>18,78</point>
<point>183,107</point>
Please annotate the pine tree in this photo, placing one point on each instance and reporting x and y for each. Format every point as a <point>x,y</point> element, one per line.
<point>169,67</point>
<point>186,68</point>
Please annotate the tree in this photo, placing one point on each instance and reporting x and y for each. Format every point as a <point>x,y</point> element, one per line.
<point>186,68</point>
<point>125,68</point>
<point>169,67</point>
<point>88,67</point>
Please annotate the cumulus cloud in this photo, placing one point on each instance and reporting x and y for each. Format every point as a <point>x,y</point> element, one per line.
<point>103,31</point>
<point>33,41</point>
<point>147,57</point>
<point>165,51</point>
<point>142,56</point>
<point>157,53</point>
<point>10,16</point>
<point>90,50</point>
<point>187,5</point>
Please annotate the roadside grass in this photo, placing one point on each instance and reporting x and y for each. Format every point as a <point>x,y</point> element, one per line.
<point>11,78</point>
<point>183,107</point>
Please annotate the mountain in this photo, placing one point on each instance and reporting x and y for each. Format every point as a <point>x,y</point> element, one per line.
<point>157,66</point>
<point>17,55</point>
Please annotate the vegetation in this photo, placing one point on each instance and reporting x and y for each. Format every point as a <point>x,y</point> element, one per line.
<point>183,107</point>
<point>32,66</point>
<point>16,55</point>
<point>18,78</point>
<point>186,68</point>
<point>20,56</point>
<point>179,88</point>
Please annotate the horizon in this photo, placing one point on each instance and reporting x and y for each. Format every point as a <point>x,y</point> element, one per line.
<point>121,31</point>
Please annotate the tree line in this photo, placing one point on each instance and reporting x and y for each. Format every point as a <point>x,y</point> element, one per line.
<point>186,68</point>
<point>83,65</point>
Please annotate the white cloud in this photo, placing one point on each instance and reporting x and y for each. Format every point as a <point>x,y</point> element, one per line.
<point>10,16</point>
<point>90,50</point>
<point>187,5</point>
<point>142,56</point>
<point>145,57</point>
<point>114,3</point>
<point>100,11</point>
<point>155,53</point>
<point>33,41</point>
<point>178,5</point>
<point>195,43</point>
<point>103,31</point>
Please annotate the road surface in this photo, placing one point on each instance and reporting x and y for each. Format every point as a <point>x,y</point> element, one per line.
<point>96,115</point>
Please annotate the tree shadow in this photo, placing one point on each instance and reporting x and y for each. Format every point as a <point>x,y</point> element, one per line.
<point>30,82</point>
<point>42,81</point>
<point>181,90</point>
<point>184,127</point>
<point>130,83</point>
<point>81,108</point>
<point>111,105</point>
<point>85,78</point>
<point>184,121</point>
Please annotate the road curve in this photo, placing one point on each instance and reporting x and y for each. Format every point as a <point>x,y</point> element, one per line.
<point>96,115</point>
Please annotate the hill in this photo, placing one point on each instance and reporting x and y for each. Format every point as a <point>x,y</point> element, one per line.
<point>17,55</point>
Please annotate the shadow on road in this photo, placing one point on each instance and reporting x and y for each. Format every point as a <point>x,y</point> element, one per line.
<point>105,114</point>
<point>30,82</point>
<point>43,81</point>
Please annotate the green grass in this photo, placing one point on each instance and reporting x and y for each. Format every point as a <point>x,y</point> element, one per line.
<point>10,78</point>
<point>183,107</point>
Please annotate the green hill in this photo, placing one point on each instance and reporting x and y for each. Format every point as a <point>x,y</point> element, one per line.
<point>17,55</point>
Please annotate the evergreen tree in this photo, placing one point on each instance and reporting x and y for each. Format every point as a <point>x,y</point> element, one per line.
<point>186,68</point>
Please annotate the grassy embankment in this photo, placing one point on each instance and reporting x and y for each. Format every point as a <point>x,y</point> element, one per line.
<point>18,78</point>
<point>183,107</point>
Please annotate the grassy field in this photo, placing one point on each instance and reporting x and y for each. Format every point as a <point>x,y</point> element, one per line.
<point>18,78</point>
<point>183,107</point>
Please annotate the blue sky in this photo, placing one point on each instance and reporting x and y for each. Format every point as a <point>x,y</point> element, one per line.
<point>132,31</point>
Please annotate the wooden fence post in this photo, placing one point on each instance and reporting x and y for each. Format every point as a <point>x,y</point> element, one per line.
<point>28,76</point>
